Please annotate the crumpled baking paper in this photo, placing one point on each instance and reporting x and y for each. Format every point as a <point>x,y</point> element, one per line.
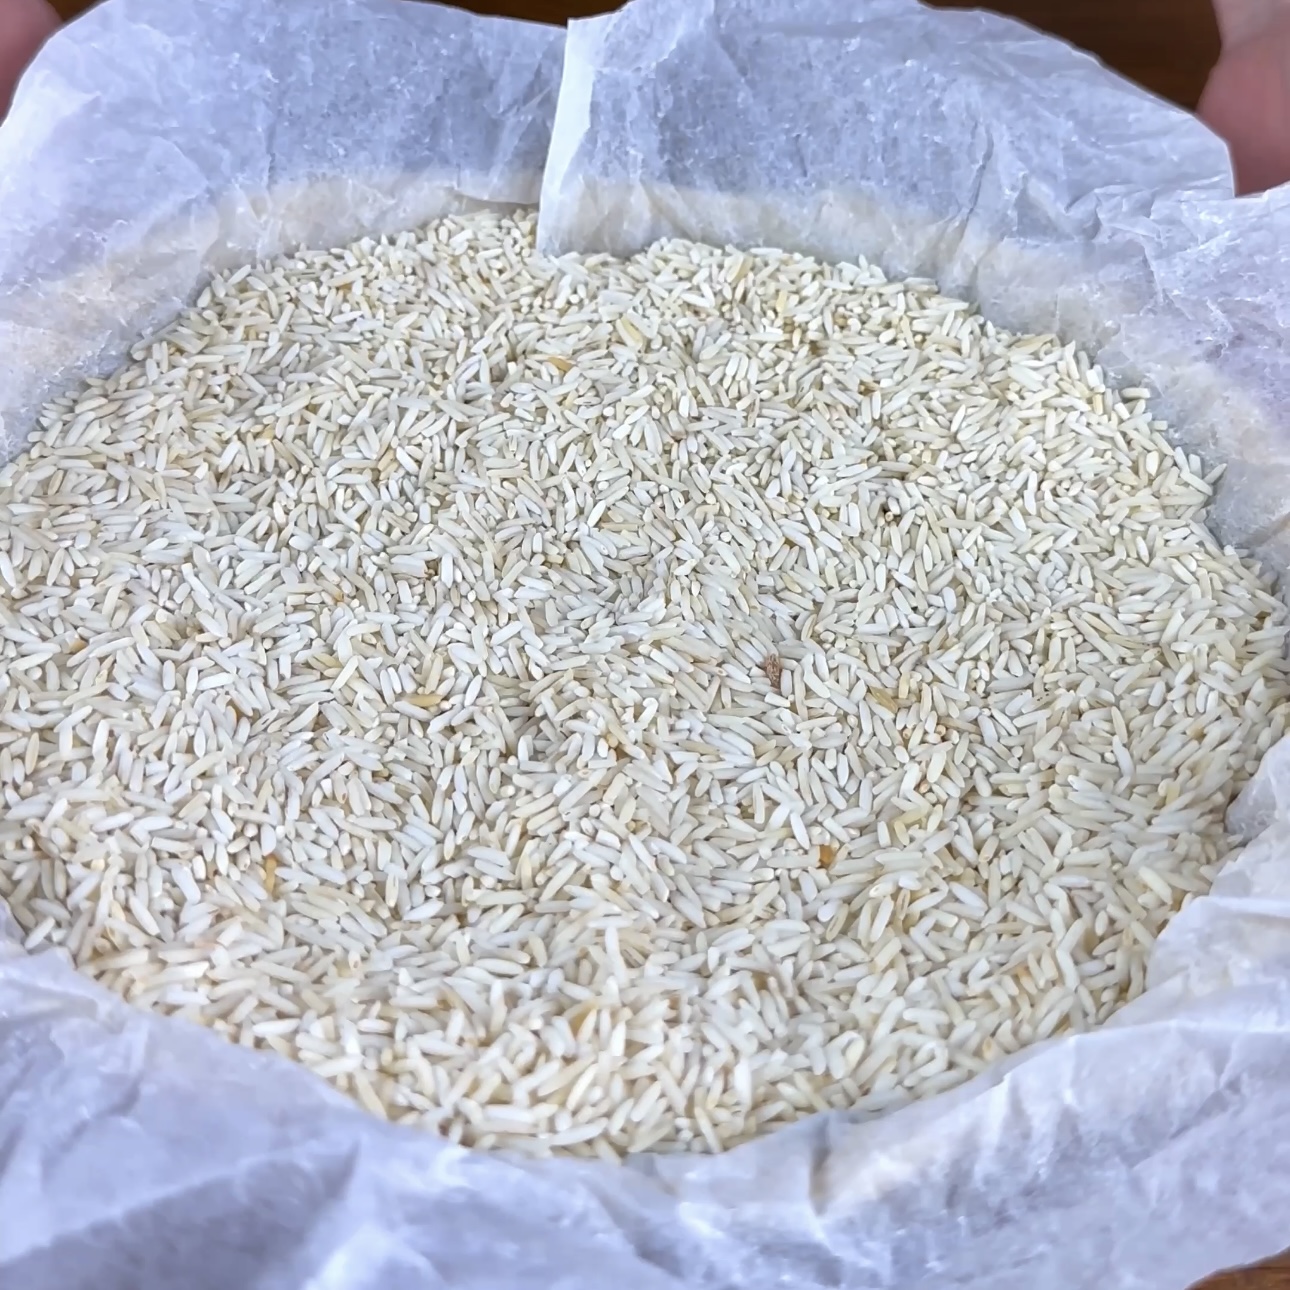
<point>156,141</point>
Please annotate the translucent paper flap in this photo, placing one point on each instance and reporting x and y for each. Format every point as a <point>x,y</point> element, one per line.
<point>725,118</point>
<point>154,143</point>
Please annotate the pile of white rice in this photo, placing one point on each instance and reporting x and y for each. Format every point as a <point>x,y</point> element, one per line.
<point>603,706</point>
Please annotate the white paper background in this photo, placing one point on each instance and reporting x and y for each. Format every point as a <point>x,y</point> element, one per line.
<point>157,140</point>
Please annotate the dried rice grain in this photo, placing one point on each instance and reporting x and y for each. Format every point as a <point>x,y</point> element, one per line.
<point>604,705</point>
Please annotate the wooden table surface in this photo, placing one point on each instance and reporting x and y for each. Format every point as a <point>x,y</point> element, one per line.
<point>1167,45</point>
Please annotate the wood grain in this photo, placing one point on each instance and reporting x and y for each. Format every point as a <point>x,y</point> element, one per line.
<point>1166,45</point>
<point>1274,1275</point>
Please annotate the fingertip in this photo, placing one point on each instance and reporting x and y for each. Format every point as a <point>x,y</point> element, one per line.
<point>25,25</point>
<point>1247,104</point>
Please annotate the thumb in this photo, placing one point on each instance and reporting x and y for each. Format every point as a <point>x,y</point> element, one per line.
<point>1247,99</point>
<point>25,25</point>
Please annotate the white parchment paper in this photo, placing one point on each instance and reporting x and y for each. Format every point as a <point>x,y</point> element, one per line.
<point>158,140</point>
